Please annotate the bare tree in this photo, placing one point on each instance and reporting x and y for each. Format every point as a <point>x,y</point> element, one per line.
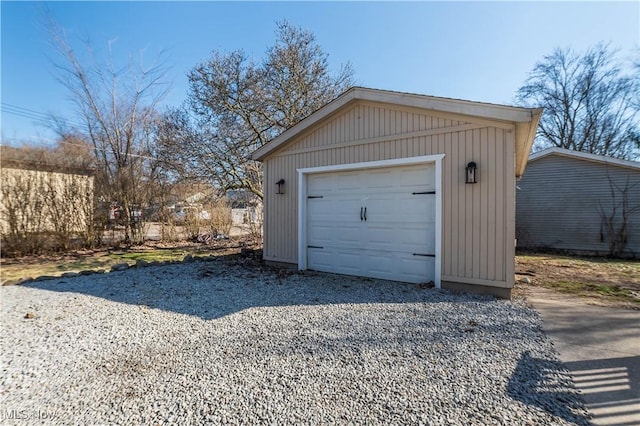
<point>235,106</point>
<point>117,109</point>
<point>617,214</point>
<point>589,104</point>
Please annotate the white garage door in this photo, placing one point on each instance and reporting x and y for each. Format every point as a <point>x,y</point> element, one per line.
<point>376,223</point>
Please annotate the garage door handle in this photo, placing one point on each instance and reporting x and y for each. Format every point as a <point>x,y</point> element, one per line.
<point>361,216</point>
<point>365,214</point>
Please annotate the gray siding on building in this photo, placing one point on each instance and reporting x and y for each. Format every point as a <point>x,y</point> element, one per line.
<point>560,201</point>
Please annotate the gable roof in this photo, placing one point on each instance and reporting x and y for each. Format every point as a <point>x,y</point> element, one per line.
<point>525,119</point>
<point>584,156</point>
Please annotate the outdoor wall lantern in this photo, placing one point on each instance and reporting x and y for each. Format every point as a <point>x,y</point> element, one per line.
<point>471,172</point>
<point>280,184</point>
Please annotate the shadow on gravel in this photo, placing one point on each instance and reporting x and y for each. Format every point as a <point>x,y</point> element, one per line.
<point>216,288</point>
<point>544,384</point>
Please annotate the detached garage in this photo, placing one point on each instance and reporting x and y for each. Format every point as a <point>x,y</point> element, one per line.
<point>401,187</point>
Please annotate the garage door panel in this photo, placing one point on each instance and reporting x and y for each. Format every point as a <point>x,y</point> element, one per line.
<point>320,234</point>
<point>335,260</point>
<point>345,234</point>
<point>418,212</point>
<point>324,234</point>
<point>320,258</point>
<point>399,267</point>
<point>410,240</point>
<point>342,261</point>
<point>348,182</point>
<point>382,267</point>
<point>349,261</point>
<point>407,174</point>
<point>413,239</point>
<point>415,268</point>
<point>320,184</point>
<point>379,181</point>
<point>398,223</point>
<point>379,235</point>
<point>397,206</point>
<point>320,208</point>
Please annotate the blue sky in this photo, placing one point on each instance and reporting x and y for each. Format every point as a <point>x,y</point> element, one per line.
<point>470,50</point>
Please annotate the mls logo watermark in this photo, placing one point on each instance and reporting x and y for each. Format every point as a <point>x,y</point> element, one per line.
<point>27,415</point>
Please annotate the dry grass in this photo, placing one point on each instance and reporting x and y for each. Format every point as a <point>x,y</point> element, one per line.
<point>35,266</point>
<point>612,281</point>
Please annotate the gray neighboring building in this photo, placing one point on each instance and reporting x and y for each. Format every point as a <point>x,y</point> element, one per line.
<point>564,195</point>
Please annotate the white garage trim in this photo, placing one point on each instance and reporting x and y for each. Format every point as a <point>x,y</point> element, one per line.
<point>302,200</point>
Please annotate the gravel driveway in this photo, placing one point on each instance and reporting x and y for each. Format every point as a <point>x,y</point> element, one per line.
<point>224,342</point>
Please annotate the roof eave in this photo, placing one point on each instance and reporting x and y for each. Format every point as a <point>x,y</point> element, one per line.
<point>525,138</point>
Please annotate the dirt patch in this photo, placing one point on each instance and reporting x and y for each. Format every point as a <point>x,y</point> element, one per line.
<point>600,281</point>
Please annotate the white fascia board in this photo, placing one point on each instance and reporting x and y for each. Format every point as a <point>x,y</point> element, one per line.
<point>456,106</point>
<point>525,135</point>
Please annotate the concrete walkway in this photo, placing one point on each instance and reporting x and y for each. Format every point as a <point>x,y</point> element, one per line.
<point>601,347</point>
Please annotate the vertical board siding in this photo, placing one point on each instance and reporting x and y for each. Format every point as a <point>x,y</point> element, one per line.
<point>474,235</point>
<point>450,224</point>
<point>459,265</point>
<point>477,212</point>
<point>491,191</point>
<point>467,212</point>
<point>367,121</point>
<point>483,214</point>
<point>499,205</point>
<point>560,199</point>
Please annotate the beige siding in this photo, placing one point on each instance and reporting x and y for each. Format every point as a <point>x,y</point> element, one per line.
<point>477,235</point>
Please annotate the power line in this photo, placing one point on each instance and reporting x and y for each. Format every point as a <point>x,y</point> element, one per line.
<point>23,110</point>
<point>40,117</point>
<point>48,119</point>
<point>104,150</point>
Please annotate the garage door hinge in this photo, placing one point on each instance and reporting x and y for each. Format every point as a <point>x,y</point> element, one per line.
<point>423,193</point>
<point>314,196</point>
<point>318,247</point>
<point>425,255</point>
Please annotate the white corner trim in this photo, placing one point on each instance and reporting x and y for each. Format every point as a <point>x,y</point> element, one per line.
<point>302,220</point>
<point>438,262</point>
<point>302,200</point>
